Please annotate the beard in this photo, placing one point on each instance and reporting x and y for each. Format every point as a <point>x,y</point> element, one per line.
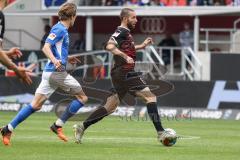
<point>130,26</point>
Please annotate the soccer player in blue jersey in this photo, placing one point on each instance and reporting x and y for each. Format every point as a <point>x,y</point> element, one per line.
<point>54,76</point>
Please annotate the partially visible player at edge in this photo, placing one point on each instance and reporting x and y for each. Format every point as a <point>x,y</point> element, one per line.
<point>54,76</point>
<point>124,78</point>
<point>5,56</point>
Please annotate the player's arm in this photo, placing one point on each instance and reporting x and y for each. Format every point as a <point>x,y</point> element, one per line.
<point>5,60</point>
<point>73,59</point>
<point>111,47</point>
<point>48,52</point>
<point>55,36</point>
<point>14,53</point>
<point>145,43</point>
<point>21,72</point>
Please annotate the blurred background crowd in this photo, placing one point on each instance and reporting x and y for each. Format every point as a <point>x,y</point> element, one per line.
<point>146,2</point>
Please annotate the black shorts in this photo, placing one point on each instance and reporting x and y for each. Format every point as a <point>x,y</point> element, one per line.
<point>126,82</point>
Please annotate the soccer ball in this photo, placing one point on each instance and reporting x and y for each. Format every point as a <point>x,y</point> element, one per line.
<point>169,138</point>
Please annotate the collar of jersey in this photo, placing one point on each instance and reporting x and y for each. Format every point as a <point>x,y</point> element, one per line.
<point>62,25</point>
<point>124,28</point>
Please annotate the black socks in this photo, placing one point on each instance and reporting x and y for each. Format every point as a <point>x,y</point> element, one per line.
<point>153,114</point>
<point>94,117</point>
<point>101,112</point>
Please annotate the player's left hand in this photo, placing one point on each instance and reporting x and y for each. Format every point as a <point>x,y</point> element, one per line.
<point>73,60</point>
<point>14,53</point>
<point>147,41</point>
<point>23,74</point>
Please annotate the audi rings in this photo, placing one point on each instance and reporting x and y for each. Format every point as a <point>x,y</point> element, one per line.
<point>153,25</point>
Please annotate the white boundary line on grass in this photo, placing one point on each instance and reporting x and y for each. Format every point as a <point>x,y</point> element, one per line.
<point>129,139</point>
<point>183,137</point>
<point>186,137</point>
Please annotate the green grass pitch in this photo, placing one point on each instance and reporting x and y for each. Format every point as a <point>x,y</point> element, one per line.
<point>116,139</point>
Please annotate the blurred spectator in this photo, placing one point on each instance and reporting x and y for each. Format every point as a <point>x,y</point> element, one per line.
<point>192,2</point>
<point>182,2</point>
<point>186,36</point>
<point>229,2</point>
<point>112,2</point>
<point>10,1</point>
<point>204,2</point>
<point>218,2</point>
<point>168,41</point>
<point>236,2</point>
<point>47,29</point>
<point>49,3</point>
<point>173,2</point>
<point>144,2</point>
<point>127,3</point>
<point>90,2</point>
<point>155,2</point>
<point>107,2</point>
<point>186,39</point>
<point>79,44</point>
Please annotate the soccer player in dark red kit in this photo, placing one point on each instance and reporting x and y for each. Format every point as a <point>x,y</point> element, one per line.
<point>124,78</point>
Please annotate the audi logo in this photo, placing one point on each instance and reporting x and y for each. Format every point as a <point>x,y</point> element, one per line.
<point>153,25</point>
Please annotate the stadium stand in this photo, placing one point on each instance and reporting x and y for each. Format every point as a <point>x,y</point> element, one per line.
<point>145,2</point>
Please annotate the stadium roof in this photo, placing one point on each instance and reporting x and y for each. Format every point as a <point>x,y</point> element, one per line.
<point>141,11</point>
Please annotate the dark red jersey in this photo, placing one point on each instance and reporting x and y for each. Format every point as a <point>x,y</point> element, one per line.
<point>125,43</point>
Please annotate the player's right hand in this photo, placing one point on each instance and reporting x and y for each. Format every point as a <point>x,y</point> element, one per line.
<point>23,74</point>
<point>14,53</point>
<point>129,60</point>
<point>73,59</point>
<point>58,65</point>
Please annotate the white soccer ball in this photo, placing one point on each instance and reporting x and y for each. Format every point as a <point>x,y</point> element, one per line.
<point>169,138</point>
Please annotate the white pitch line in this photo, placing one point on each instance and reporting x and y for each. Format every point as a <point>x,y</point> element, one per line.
<point>123,139</point>
<point>182,137</point>
<point>185,137</point>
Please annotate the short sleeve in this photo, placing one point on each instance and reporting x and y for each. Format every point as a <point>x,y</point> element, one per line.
<point>118,37</point>
<point>55,35</point>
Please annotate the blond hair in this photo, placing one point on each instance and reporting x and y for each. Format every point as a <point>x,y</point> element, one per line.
<point>66,11</point>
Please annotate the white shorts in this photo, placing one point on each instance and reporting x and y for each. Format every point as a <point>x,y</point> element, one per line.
<point>54,80</point>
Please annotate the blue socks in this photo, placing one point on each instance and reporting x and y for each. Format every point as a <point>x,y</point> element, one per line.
<point>71,110</point>
<point>25,112</point>
<point>21,116</point>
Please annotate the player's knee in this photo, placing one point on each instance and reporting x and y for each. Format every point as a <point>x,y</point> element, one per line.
<point>110,109</point>
<point>150,98</point>
<point>38,101</point>
<point>36,105</point>
<point>112,103</point>
<point>83,99</point>
<point>115,100</point>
